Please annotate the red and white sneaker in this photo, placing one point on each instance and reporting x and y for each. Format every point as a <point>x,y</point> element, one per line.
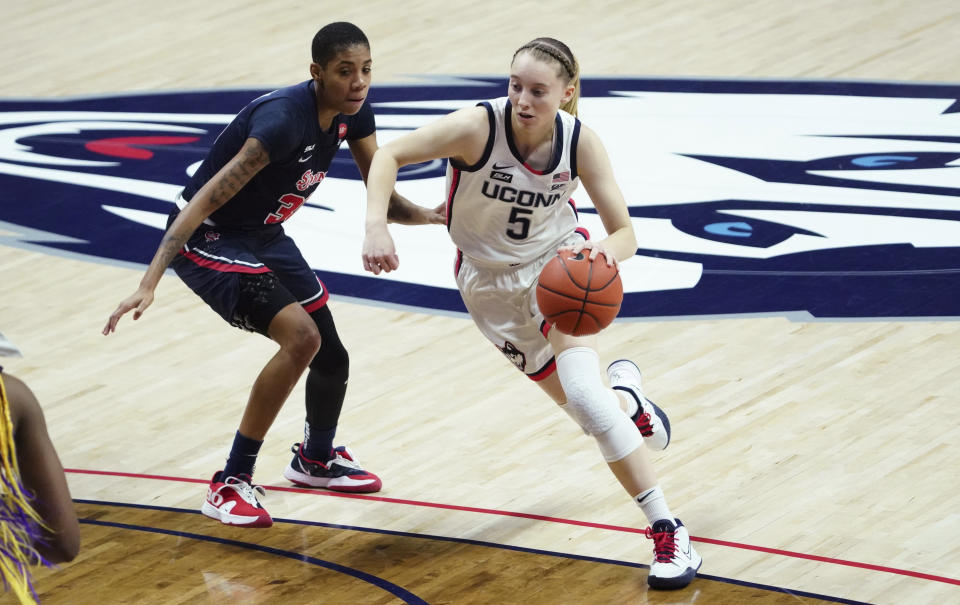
<point>651,421</point>
<point>342,473</point>
<point>675,561</point>
<point>233,501</point>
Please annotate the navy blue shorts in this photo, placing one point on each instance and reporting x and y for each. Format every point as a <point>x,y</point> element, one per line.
<point>248,276</point>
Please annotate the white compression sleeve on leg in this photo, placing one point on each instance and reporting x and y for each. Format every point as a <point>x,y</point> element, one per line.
<point>620,441</point>
<point>593,406</point>
<point>588,401</point>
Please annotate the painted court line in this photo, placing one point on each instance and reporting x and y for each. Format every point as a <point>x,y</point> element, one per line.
<point>415,536</point>
<point>488,511</point>
<point>381,583</point>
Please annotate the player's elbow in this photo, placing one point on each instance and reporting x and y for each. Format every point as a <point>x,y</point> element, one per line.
<point>68,552</point>
<point>385,158</point>
<point>398,153</point>
<point>61,548</point>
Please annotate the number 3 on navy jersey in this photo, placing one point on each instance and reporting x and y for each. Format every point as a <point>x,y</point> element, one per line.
<point>519,222</point>
<point>289,203</point>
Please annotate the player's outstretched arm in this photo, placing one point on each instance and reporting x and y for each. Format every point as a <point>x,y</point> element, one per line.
<point>400,209</point>
<point>461,134</point>
<point>379,252</point>
<point>251,158</point>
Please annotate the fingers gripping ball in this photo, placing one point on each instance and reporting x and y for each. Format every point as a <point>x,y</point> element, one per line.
<point>577,296</point>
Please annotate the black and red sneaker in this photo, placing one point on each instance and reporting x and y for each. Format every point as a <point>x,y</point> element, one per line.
<point>341,473</point>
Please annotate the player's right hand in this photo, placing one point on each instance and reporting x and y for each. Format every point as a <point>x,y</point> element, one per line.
<point>438,215</point>
<point>139,300</point>
<point>379,253</point>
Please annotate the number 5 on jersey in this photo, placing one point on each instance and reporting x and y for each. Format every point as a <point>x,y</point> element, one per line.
<point>520,224</point>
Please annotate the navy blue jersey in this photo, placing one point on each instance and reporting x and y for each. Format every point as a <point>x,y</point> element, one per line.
<point>285,121</point>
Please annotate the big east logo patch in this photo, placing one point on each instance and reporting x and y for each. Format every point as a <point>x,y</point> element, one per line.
<point>805,199</point>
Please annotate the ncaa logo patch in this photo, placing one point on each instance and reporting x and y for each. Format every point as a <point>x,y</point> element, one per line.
<point>810,200</point>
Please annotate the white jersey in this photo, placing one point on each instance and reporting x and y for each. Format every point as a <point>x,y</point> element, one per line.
<point>502,212</point>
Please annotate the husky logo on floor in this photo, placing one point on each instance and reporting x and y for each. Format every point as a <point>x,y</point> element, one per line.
<point>804,199</point>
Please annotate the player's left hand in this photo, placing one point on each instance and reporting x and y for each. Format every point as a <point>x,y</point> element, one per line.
<point>595,249</point>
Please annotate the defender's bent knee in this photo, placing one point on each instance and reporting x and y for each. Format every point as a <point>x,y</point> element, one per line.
<point>332,357</point>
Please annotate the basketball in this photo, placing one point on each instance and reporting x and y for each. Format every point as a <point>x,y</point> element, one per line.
<point>579,296</point>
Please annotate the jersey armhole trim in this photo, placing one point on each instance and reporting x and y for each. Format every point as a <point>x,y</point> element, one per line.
<point>486,150</point>
<point>574,139</point>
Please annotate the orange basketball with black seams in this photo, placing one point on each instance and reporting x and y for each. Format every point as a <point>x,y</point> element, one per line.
<point>579,296</point>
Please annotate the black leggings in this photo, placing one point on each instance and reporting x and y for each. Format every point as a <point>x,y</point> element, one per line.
<point>327,375</point>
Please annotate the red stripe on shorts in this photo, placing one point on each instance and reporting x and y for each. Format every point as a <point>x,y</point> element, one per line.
<point>318,304</point>
<point>223,267</point>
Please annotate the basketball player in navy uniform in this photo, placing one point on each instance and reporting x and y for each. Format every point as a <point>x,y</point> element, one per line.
<point>513,164</point>
<point>225,239</point>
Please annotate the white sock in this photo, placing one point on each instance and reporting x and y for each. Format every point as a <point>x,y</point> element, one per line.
<point>654,505</point>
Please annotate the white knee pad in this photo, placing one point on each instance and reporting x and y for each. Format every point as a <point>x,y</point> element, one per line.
<point>620,441</point>
<point>593,406</point>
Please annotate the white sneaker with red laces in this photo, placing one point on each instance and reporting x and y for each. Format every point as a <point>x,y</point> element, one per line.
<point>233,501</point>
<point>675,562</point>
<point>651,421</point>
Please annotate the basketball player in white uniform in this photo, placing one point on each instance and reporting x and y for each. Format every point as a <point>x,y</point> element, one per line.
<point>513,164</point>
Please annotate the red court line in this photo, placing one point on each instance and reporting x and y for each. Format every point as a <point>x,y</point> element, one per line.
<point>506,513</point>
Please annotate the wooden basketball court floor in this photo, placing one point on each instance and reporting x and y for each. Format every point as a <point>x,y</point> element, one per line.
<point>812,461</point>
